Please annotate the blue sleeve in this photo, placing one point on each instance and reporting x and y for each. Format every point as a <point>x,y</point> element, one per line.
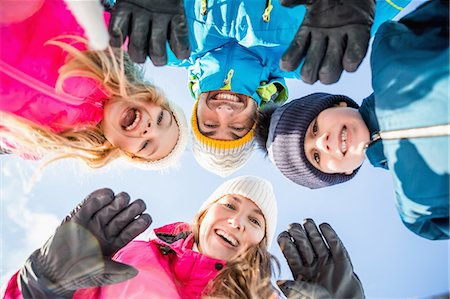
<point>386,10</point>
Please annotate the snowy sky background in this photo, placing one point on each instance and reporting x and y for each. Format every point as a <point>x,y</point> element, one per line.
<point>391,261</point>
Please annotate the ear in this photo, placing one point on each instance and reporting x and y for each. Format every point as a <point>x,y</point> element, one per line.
<point>342,104</point>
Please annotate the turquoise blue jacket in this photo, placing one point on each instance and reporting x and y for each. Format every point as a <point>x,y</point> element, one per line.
<point>410,73</point>
<point>237,45</point>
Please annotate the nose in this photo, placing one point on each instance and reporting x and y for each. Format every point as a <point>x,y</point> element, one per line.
<point>224,111</point>
<point>235,222</point>
<point>322,142</point>
<point>146,130</point>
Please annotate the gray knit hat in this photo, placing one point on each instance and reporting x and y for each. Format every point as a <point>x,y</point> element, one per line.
<point>258,190</point>
<point>286,137</point>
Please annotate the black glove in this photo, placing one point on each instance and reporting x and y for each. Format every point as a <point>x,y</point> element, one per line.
<point>79,254</point>
<point>315,261</point>
<point>334,34</point>
<point>149,23</point>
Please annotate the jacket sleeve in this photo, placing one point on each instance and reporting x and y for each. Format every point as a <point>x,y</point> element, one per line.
<point>432,226</point>
<point>12,290</point>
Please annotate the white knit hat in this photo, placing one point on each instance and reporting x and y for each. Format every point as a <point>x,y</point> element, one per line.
<point>222,157</point>
<point>172,159</point>
<point>258,190</point>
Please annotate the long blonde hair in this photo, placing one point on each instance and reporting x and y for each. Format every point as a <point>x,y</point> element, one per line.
<point>118,77</point>
<point>246,276</point>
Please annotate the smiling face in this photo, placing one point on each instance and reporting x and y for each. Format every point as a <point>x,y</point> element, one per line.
<point>230,226</point>
<point>336,139</point>
<point>145,130</point>
<point>225,115</point>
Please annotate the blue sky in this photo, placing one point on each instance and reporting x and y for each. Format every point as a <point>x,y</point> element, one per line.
<point>390,261</point>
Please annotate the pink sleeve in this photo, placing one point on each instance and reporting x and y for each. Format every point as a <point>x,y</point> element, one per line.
<point>12,289</point>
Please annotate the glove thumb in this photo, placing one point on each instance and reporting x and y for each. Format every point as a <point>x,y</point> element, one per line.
<point>302,290</point>
<point>114,272</point>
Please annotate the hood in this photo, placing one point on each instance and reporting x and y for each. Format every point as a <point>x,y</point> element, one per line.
<point>236,68</point>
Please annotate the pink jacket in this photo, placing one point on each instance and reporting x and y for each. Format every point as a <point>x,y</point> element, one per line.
<point>29,70</point>
<point>166,269</point>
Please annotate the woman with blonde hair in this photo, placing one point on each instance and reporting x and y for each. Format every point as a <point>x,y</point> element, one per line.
<point>223,253</point>
<point>60,99</point>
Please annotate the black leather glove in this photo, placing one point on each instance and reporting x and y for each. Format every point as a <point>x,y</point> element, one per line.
<point>334,35</point>
<point>79,254</point>
<point>149,23</point>
<point>315,261</point>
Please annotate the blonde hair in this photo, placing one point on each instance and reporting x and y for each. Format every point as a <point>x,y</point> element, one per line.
<point>246,276</point>
<point>117,76</point>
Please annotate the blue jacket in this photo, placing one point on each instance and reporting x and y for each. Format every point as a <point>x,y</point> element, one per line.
<point>410,73</point>
<point>234,48</point>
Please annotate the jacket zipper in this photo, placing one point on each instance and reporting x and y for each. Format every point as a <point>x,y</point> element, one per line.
<point>419,132</point>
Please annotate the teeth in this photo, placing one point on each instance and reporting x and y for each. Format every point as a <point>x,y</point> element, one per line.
<point>135,122</point>
<point>227,97</point>
<point>344,140</point>
<point>227,237</point>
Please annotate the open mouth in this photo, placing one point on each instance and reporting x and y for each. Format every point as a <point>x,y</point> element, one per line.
<point>344,140</point>
<point>227,238</point>
<point>130,119</point>
<point>227,97</point>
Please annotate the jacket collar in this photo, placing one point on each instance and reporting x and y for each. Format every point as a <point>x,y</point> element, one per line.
<point>375,151</point>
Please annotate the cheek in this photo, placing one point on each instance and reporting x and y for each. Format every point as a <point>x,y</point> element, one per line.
<point>255,237</point>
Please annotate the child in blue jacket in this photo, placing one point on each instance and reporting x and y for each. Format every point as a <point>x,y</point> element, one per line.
<point>322,139</point>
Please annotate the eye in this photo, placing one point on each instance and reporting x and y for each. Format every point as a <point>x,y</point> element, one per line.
<point>160,117</point>
<point>316,157</point>
<point>229,206</point>
<point>255,221</point>
<point>238,129</point>
<point>314,128</point>
<point>144,146</point>
<point>210,126</point>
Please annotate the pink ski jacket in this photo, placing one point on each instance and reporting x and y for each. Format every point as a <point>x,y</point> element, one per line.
<point>167,265</point>
<point>29,70</point>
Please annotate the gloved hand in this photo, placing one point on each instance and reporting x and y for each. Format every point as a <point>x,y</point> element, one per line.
<point>79,254</point>
<point>149,23</point>
<point>313,261</point>
<point>334,35</point>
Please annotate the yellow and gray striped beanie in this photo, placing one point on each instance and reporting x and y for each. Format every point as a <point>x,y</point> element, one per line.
<point>222,157</point>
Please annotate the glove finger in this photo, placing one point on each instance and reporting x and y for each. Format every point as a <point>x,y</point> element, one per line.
<point>318,244</point>
<point>296,51</point>
<point>119,25</point>
<point>291,3</point>
<point>179,37</point>
<point>313,59</point>
<point>337,249</point>
<point>113,273</point>
<point>92,204</point>
<point>137,47</point>
<point>108,212</point>
<point>357,43</point>
<point>302,243</point>
<point>291,254</point>
<point>124,217</point>
<point>331,68</point>
<point>132,230</point>
<point>158,38</point>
